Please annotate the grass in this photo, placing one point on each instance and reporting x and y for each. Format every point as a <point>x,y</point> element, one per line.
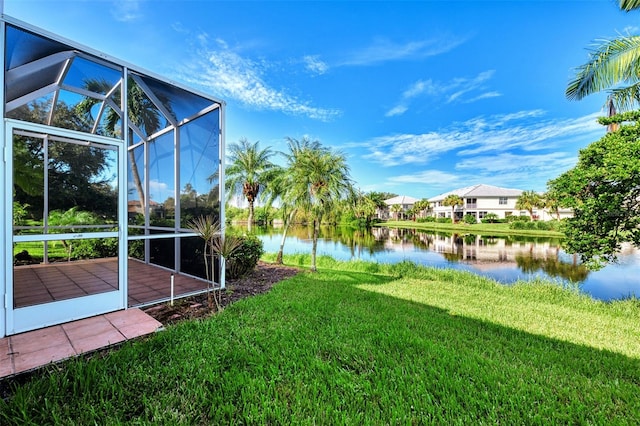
<point>478,228</point>
<point>36,249</point>
<point>364,343</point>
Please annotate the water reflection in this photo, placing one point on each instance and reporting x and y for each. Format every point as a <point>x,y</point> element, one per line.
<point>503,258</point>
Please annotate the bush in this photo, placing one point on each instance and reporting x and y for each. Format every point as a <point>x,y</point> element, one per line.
<point>443,220</point>
<point>491,218</point>
<point>521,224</point>
<point>469,219</point>
<point>426,219</point>
<point>94,248</point>
<point>245,258</point>
<point>517,218</point>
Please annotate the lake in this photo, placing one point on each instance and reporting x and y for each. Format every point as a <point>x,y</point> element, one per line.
<point>506,259</point>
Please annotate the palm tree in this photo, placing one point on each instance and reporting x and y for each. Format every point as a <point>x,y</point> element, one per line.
<point>613,66</point>
<point>453,200</point>
<point>552,202</point>
<point>528,201</point>
<point>248,171</point>
<point>396,209</point>
<point>422,206</point>
<point>142,113</point>
<point>628,5</point>
<point>319,179</point>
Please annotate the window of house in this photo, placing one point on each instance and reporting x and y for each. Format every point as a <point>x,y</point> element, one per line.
<point>481,215</point>
<point>472,200</point>
<point>502,200</point>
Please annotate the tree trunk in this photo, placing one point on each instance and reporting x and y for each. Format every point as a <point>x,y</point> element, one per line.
<point>250,220</point>
<point>284,237</point>
<point>314,247</point>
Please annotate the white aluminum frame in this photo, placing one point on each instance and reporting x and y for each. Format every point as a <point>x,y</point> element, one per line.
<point>28,318</point>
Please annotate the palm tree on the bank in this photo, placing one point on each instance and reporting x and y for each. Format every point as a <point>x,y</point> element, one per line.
<point>282,185</point>
<point>613,66</point>
<point>248,171</point>
<point>529,200</point>
<point>453,201</point>
<point>320,178</point>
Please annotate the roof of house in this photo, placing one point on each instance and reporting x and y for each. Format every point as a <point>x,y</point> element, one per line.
<point>401,199</point>
<point>480,190</point>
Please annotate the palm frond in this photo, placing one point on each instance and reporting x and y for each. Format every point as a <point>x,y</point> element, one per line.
<point>611,63</point>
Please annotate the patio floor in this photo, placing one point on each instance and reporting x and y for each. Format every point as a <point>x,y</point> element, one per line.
<point>35,284</point>
<point>27,351</point>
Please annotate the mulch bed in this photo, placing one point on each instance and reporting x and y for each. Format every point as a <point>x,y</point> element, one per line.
<point>258,281</point>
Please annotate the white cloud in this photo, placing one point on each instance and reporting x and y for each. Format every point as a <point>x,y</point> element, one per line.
<point>126,10</point>
<point>314,64</point>
<point>435,178</point>
<point>397,110</point>
<point>383,50</point>
<point>226,73</point>
<point>524,131</point>
<point>449,92</point>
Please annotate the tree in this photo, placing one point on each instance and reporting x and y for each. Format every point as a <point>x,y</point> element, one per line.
<point>248,171</point>
<point>529,200</point>
<point>453,200</point>
<point>613,66</point>
<point>396,209</point>
<point>604,192</point>
<point>552,203</point>
<point>78,175</point>
<point>628,5</point>
<point>141,111</point>
<point>421,206</point>
<point>319,179</point>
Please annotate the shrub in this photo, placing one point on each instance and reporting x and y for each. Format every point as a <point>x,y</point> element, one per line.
<point>426,219</point>
<point>490,218</point>
<point>521,224</point>
<point>469,219</point>
<point>94,248</point>
<point>443,220</point>
<point>244,258</point>
<point>517,218</point>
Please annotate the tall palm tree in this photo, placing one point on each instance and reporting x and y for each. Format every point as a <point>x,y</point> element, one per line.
<point>396,209</point>
<point>142,113</point>
<point>320,179</point>
<point>528,201</point>
<point>613,66</point>
<point>453,201</point>
<point>248,171</point>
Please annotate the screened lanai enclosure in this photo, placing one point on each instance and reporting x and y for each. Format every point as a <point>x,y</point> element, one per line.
<point>105,167</point>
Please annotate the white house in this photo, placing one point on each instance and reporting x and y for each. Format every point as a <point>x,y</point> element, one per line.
<point>404,201</point>
<point>479,200</point>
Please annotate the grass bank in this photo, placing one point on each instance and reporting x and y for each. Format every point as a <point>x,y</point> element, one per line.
<point>478,228</point>
<point>364,343</point>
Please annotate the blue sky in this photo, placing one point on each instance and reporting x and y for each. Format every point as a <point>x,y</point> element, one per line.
<point>422,97</point>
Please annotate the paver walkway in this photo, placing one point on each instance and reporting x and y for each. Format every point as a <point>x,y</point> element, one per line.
<point>27,351</point>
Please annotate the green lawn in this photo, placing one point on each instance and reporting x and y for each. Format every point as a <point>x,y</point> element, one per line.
<point>479,228</point>
<point>364,343</point>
